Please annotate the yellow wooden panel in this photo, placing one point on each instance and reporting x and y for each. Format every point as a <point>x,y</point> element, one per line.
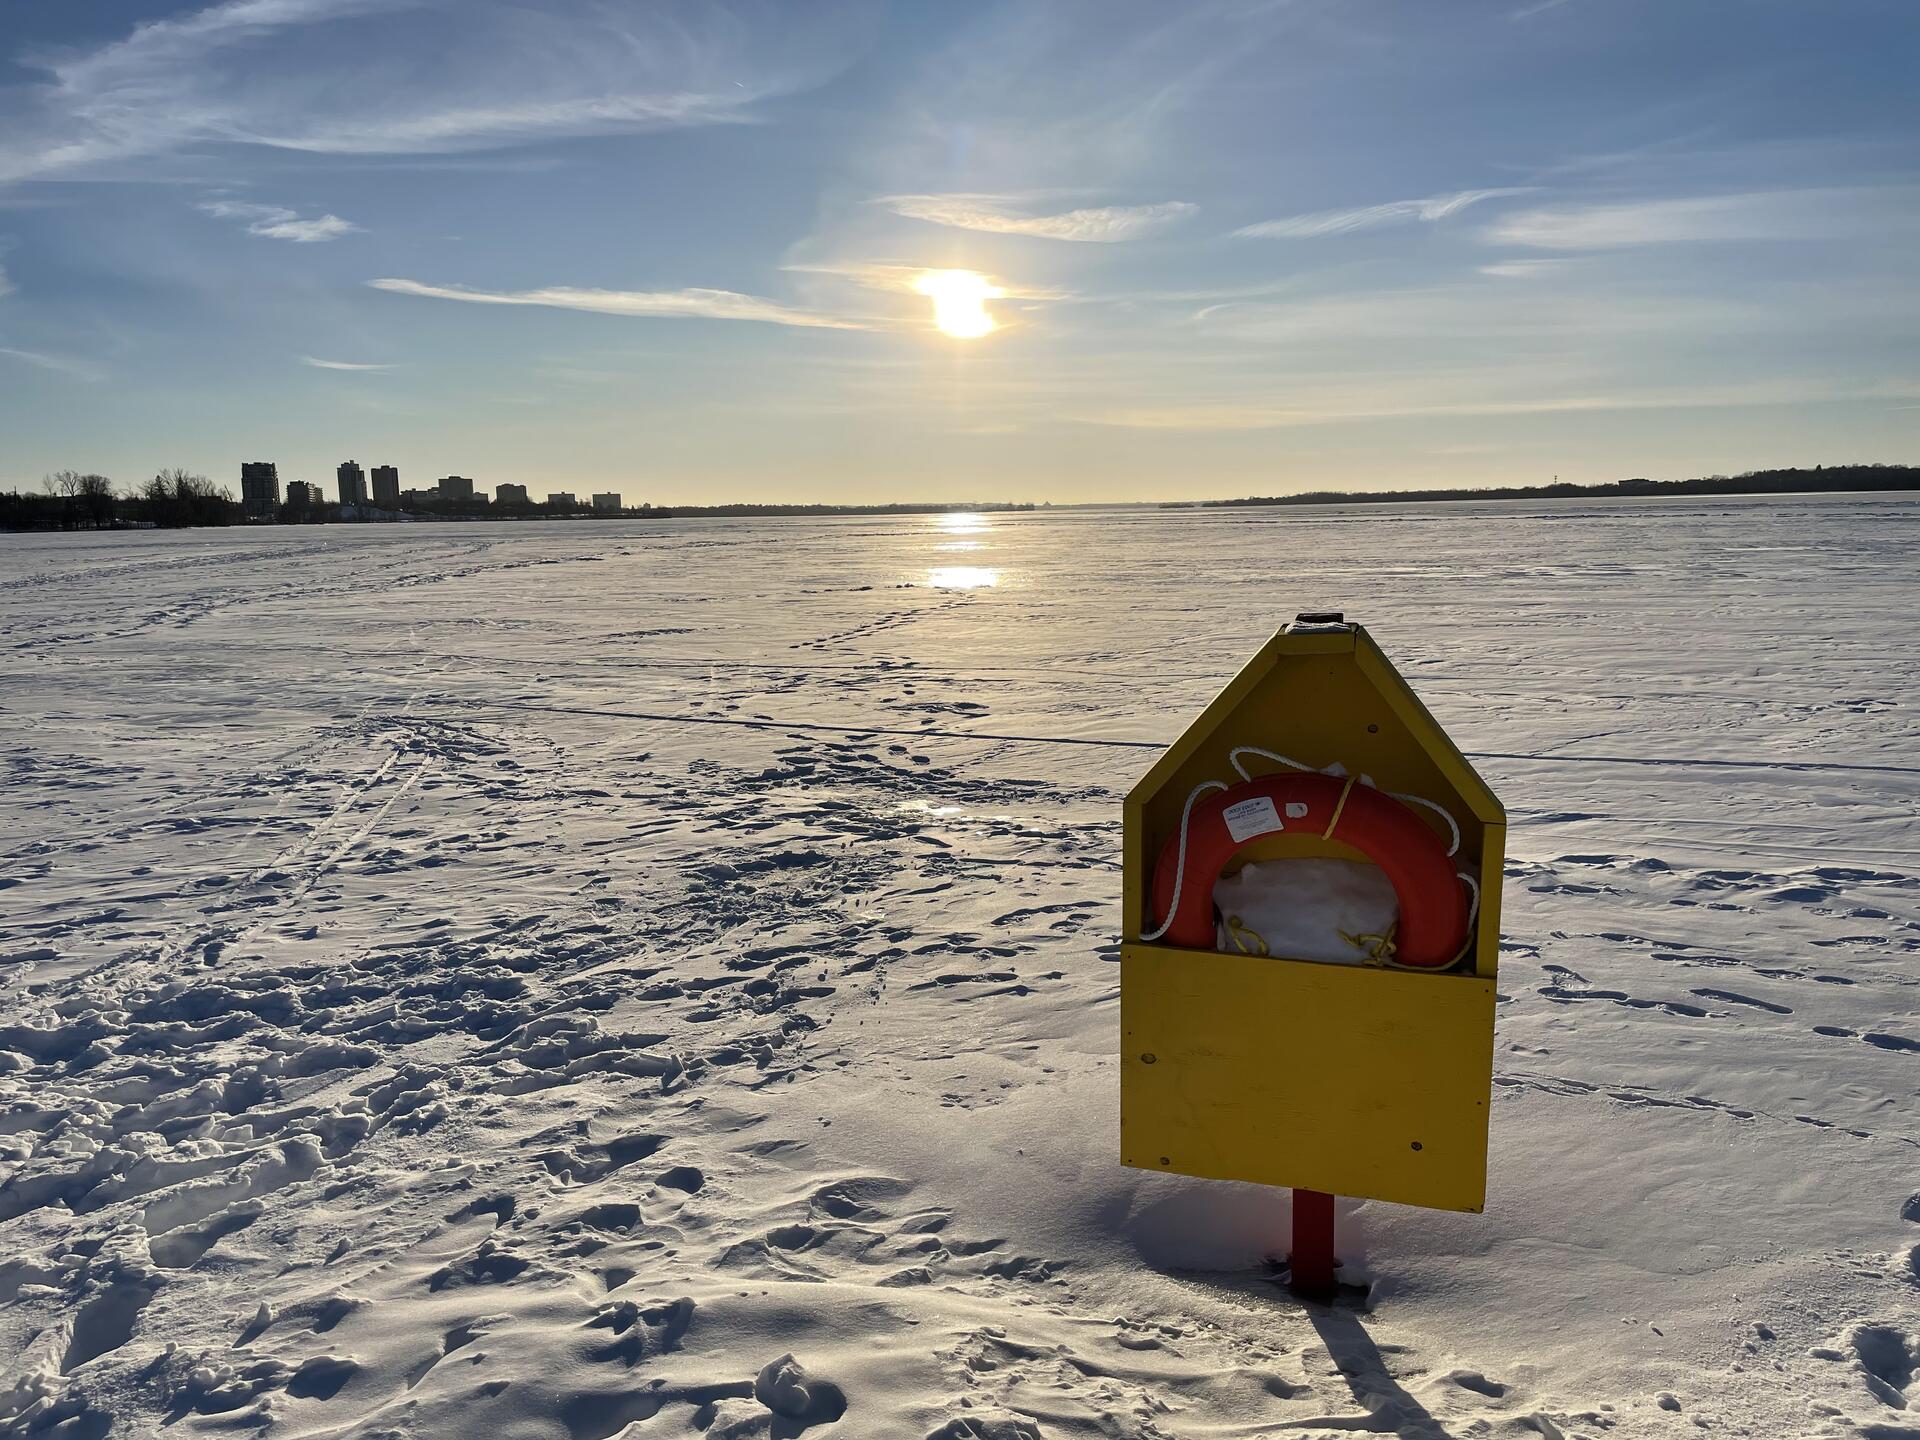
<point>1425,731</point>
<point>1493,864</point>
<point>1350,1079</point>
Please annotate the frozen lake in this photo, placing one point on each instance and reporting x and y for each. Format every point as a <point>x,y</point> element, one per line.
<point>526,980</point>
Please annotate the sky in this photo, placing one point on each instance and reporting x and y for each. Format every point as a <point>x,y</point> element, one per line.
<point>842,250</point>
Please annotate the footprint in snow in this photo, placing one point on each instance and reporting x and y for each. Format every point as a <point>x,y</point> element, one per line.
<point>1887,1358</point>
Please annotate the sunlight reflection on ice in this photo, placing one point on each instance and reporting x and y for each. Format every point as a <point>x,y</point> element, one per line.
<point>963,522</point>
<point>962,577</point>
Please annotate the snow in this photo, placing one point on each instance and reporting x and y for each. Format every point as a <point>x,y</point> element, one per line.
<point>659,979</point>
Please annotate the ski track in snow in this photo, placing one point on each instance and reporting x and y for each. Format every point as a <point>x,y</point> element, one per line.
<point>394,1046</point>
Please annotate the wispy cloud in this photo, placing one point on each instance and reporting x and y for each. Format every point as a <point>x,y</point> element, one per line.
<point>40,360</point>
<point>1370,217</point>
<point>698,304</point>
<point>295,75</point>
<point>1441,315</point>
<point>898,277</point>
<point>471,126</point>
<point>320,364</point>
<point>1327,410</point>
<point>276,222</point>
<point>1764,215</point>
<point>1000,215</point>
<point>58,364</point>
<point>1525,269</point>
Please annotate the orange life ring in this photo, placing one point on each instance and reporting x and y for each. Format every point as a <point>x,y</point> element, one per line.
<point>1433,905</point>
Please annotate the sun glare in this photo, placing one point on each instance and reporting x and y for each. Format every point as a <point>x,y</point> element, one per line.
<point>963,577</point>
<point>960,301</point>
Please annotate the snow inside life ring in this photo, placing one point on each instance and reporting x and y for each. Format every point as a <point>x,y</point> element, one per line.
<point>1434,909</point>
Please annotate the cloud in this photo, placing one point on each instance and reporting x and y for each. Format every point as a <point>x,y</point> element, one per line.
<point>276,222</point>
<point>58,364</point>
<point>1765,215</point>
<point>700,304</point>
<point>1370,217</point>
<point>995,215</point>
<point>320,364</point>
<point>1481,311</point>
<point>1329,410</point>
<point>898,277</point>
<point>1525,269</point>
<point>1024,101</point>
<point>352,76</point>
<point>40,360</point>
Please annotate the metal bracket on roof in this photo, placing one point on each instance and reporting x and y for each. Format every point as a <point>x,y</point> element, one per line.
<point>1308,622</point>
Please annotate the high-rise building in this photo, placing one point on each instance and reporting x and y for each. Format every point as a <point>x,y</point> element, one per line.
<point>455,487</point>
<point>386,485</point>
<point>510,494</point>
<point>563,499</point>
<point>260,487</point>
<point>353,483</point>
<point>301,495</point>
<point>609,501</point>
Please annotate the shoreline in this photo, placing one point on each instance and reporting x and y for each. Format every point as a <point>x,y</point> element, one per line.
<point>1822,480</point>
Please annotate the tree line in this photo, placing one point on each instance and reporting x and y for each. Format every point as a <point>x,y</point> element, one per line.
<point>70,500</point>
<point>1821,479</point>
<point>174,499</point>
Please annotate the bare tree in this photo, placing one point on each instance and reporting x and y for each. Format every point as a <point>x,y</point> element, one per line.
<point>64,486</point>
<point>85,500</point>
<point>179,497</point>
<point>95,494</point>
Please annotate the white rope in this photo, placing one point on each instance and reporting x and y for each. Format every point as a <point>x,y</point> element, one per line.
<point>1453,826</point>
<point>1445,814</point>
<point>1180,867</point>
<point>1234,757</point>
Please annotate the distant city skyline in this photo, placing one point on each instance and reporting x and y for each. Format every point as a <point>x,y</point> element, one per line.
<point>260,487</point>
<point>738,250</point>
<point>260,493</point>
<point>386,485</point>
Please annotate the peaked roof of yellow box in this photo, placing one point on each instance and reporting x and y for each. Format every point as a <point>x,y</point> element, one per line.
<point>1296,640</point>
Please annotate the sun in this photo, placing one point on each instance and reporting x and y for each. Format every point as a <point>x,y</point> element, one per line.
<point>960,301</point>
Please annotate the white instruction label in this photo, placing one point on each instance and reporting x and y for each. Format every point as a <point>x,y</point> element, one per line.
<point>1249,818</point>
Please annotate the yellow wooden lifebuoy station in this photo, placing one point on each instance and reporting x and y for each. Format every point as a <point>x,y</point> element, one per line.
<point>1367,1078</point>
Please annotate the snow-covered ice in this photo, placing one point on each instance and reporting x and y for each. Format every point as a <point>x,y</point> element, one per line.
<point>624,979</point>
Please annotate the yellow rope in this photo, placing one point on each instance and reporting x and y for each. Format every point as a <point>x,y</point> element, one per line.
<point>1339,808</point>
<point>1237,929</point>
<point>1379,948</point>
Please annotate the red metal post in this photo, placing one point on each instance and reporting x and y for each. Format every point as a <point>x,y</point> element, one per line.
<point>1310,1266</point>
